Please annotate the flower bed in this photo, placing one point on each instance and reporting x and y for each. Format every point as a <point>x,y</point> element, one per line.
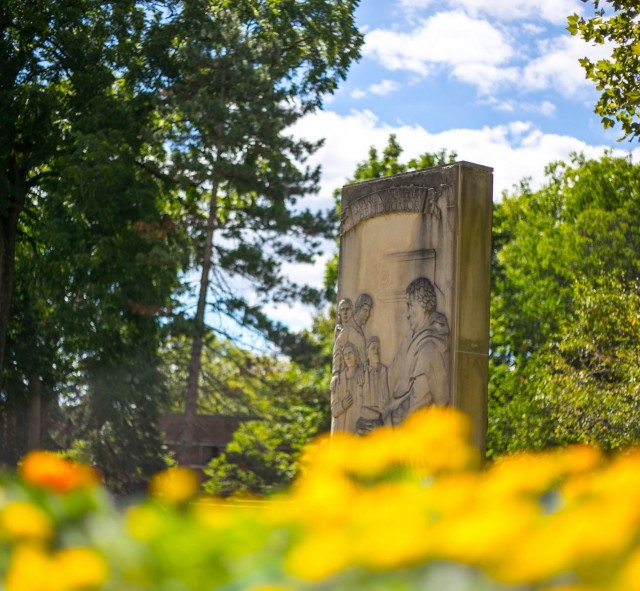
<point>409,509</point>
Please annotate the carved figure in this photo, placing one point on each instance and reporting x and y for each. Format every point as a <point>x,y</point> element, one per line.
<point>375,397</point>
<point>346,391</point>
<point>344,313</point>
<point>419,375</point>
<point>353,330</point>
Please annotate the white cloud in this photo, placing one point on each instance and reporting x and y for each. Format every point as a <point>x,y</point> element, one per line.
<point>547,108</point>
<point>358,93</point>
<point>384,87</point>
<point>487,78</point>
<point>478,53</point>
<point>533,29</point>
<point>451,38</point>
<point>515,150</point>
<point>554,11</point>
<point>558,66</point>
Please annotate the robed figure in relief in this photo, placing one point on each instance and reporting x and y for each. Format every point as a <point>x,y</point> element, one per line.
<point>419,375</point>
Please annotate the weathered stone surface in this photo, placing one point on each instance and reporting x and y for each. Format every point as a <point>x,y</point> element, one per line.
<point>413,287</point>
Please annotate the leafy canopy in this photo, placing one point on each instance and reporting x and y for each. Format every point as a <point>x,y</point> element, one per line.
<point>564,308</point>
<point>614,23</point>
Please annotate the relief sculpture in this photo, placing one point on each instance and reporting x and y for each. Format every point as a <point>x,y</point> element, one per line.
<point>414,293</point>
<point>365,393</point>
<point>419,375</point>
<point>346,390</point>
<point>349,350</point>
<point>375,394</point>
<point>352,331</point>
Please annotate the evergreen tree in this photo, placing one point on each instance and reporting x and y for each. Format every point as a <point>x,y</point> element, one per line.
<point>238,76</point>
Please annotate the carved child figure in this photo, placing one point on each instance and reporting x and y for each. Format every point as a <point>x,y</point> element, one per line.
<point>376,390</point>
<point>346,391</point>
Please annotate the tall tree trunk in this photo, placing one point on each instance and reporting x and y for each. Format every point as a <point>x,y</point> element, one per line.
<point>34,435</point>
<point>186,453</point>
<point>8,233</point>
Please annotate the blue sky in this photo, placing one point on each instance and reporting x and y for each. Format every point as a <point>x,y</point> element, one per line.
<point>496,81</point>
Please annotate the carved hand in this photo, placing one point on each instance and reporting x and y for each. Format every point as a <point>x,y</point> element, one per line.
<point>347,401</point>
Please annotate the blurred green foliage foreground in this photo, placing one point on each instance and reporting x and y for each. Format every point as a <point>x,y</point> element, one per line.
<point>405,509</point>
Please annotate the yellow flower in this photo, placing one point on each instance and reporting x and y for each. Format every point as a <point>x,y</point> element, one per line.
<point>320,554</point>
<point>50,471</point>
<point>30,568</point>
<point>330,454</point>
<point>19,520</point>
<point>81,568</point>
<point>69,569</point>
<point>390,526</point>
<point>436,439</point>
<point>175,485</point>
<point>629,577</point>
<point>482,534</point>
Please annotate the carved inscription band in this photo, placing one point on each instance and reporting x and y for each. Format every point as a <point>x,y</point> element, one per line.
<point>401,199</point>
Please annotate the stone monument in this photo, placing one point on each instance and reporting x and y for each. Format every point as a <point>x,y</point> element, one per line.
<point>413,291</point>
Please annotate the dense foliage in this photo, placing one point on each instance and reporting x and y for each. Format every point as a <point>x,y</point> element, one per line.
<point>564,309</point>
<point>281,407</point>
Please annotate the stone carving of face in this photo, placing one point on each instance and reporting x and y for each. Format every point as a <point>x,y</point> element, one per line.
<point>415,313</point>
<point>373,353</point>
<point>362,315</point>
<point>349,357</point>
<point>344,311</point>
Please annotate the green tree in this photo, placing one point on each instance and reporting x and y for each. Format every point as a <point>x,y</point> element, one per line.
<point>263,455</point>
<point>565,272</point>
<point>239,75</point>
<point>281,407</point>
<point>84,221</point>
<point>582,385</point>
<point>613,22</point>
<point>93,95</point>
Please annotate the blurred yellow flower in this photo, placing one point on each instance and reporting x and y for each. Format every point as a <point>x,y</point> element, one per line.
<point>81,568</point>
<point>482,534</point>
<point>30,569</point>
<point>390,527</point>
<point>629,577</point>
<point>175,485</point>
<point>323,553</point>
<point>48,470</point>
<point>69,569</point>
<point>20,519</point>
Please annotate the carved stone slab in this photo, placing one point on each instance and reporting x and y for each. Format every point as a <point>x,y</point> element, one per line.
<point>413,292</point>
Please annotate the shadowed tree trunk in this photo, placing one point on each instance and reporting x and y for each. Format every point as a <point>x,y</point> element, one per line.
<point>36,423</point>
<point>186,450</point>
<point>9,214</point>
